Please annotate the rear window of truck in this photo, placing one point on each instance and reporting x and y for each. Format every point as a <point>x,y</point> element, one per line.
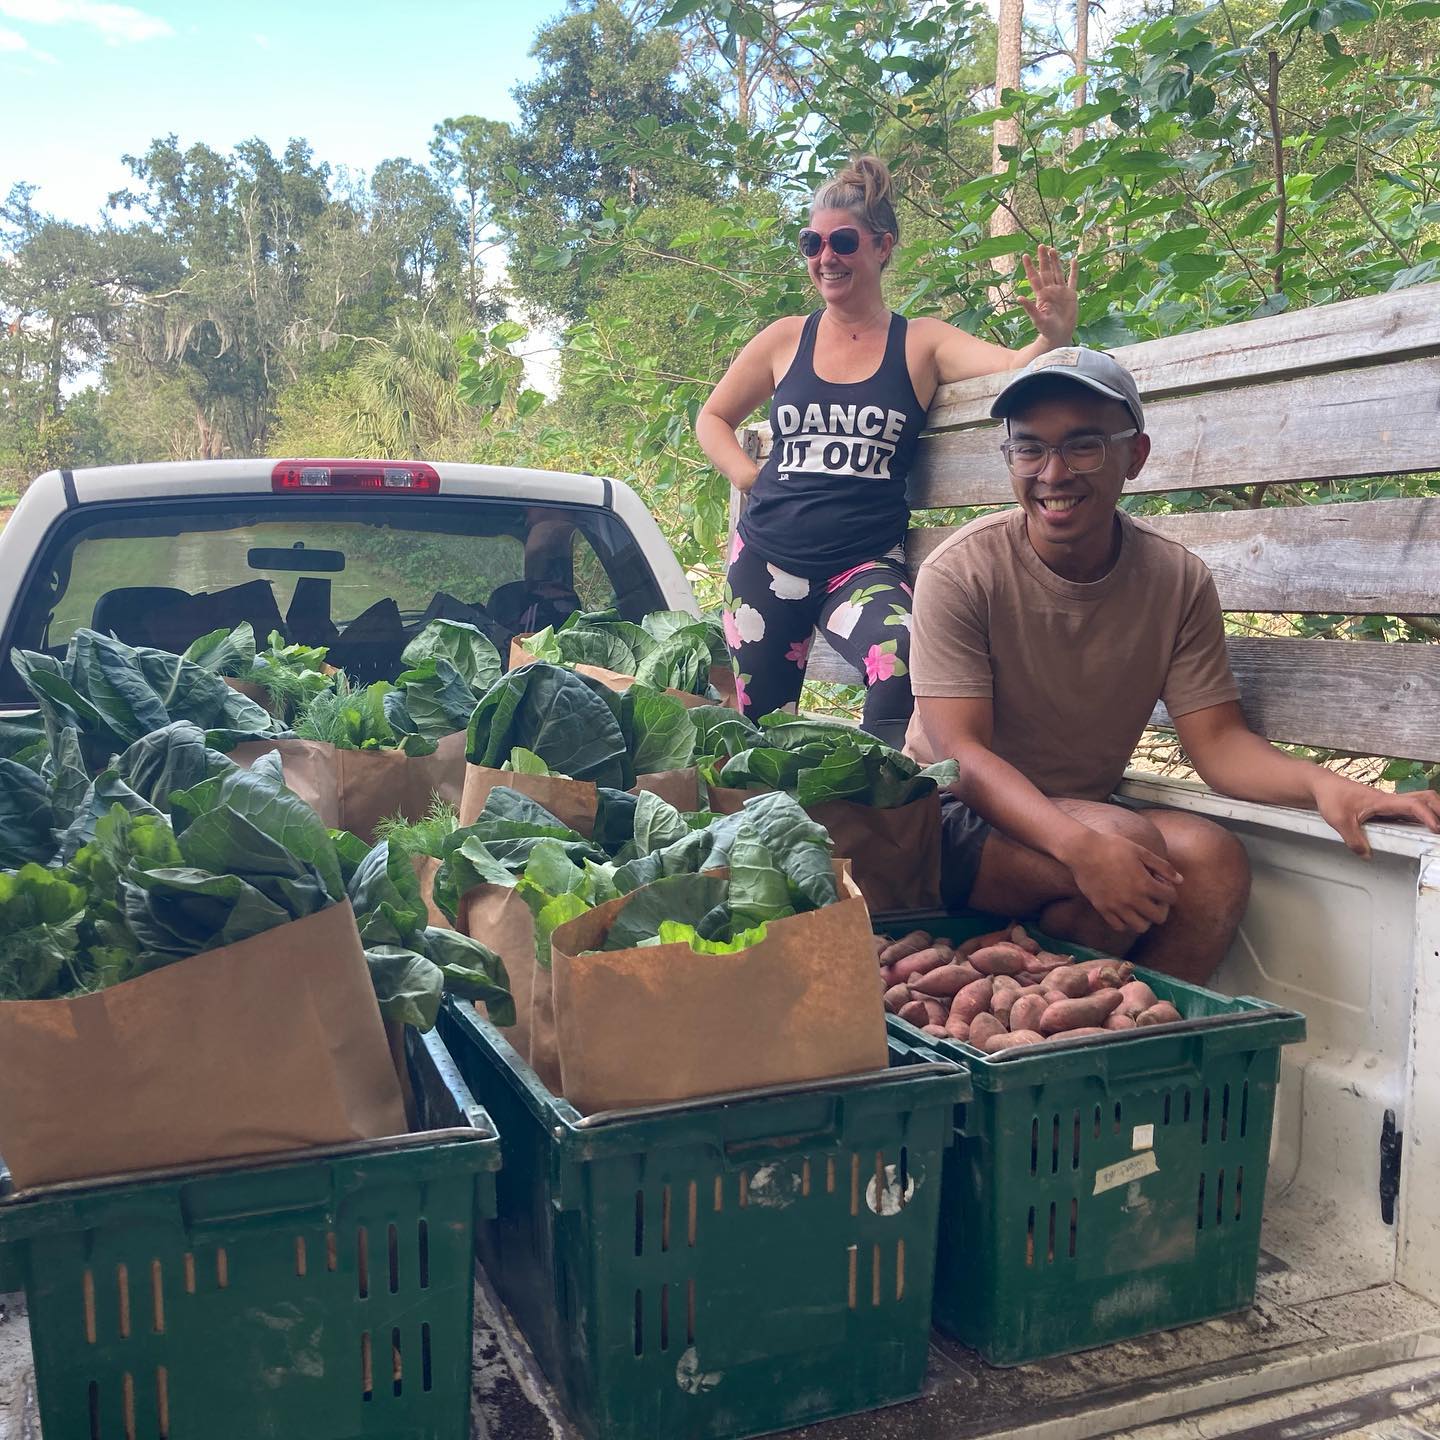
<point>362,576</point>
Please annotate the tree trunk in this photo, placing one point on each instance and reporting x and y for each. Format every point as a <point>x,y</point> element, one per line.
<point>1082,64</point>
<point>1009,29</point>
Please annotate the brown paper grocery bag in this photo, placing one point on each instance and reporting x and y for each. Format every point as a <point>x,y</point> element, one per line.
<point>498,917</point>
<point>269,1044</point>
<point>572,802</point>
<point>356,789</point>
<point>375,784</point>
<point>894,853</point>
<point>614,680</point>
<point>312,771</point>
<point>661,1023</point>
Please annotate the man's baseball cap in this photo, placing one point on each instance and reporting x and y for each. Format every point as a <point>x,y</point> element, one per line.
<point>1093,369</point>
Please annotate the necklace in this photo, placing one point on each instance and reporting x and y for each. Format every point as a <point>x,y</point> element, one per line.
<point>855,334</point>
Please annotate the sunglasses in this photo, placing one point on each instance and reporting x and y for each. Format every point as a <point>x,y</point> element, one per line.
<point>844,241</point>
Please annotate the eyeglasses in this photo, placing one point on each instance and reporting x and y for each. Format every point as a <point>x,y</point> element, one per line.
<point>1081,453</point>
<point>844,241</point>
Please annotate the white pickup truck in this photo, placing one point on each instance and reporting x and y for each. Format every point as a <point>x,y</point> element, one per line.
<point>1345,1333</point>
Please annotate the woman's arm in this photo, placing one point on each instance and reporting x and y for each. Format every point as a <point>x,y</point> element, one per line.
<point>745,386</point>
<point>1054,309</point>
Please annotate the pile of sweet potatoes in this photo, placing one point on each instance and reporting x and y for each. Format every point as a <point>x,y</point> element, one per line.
<point>1001,991</point>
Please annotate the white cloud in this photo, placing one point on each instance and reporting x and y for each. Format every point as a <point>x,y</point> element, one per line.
<point>12,42</point>
<point>115,22</point>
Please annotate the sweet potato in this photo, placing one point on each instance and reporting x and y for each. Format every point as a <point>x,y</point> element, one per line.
<point>1025,1013</point>
<point>1138,997</point>
<point>937,1010</point>
<point>980,942</point>
<point>1003,1001</point>
<point>918,962</point>
<point>984,1027</point>
<point>973,1000</point>
<point>1161,1013</point>
<point>1079,1031</point>
<point>1044,962</point>
<point>1119,1021</point>
<point>910,944</point>
<point>881,943</point>
<point>915,1012</point>
<point>1002,959</point>
<point>957,1029</point>
<point>1110,974</point>
<point>945,980</point>
<point>938,1031</point>
<point>1013,1040</point>
<point>1070,981</point>
<point>1024,941</point>
<point>1079,1013</point>
<point>896,998</point>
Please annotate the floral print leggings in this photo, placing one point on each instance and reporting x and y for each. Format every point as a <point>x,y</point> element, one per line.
<point>770,618</point>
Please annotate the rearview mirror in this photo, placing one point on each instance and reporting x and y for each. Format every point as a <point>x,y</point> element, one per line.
<point>297,557</point>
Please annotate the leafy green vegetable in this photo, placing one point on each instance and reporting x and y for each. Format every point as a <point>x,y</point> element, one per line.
<point>113,694</point>
<point>468,651</point>
<point>40,913</point>
<point>362,720</point>
<point>411,963</point>
<point>658,729</point>
<point>668,650</point>
<point>557,715</point>
<point>27,816</point>
<point>819,761</point>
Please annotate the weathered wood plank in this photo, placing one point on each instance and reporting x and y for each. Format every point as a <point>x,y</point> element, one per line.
<point>1384,420</point>
<point>1372,699</point>
<point>1332,694</point>
<point>1322,337</point>
<point>1378,557</point>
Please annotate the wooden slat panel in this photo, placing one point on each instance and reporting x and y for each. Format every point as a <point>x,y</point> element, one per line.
<point>1379,557</point>
<point>1372,699</point>
<point>1333,694</point>
<point>1384,420</point>
<point>1322,337</point>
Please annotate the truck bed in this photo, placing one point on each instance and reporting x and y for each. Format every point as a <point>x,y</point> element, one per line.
<point>1322,1353</point>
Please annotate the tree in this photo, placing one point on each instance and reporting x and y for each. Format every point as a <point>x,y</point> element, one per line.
<point>417,223</point>
<point>467,153</point>
<point>603,80</point>
<point>1008,40</point>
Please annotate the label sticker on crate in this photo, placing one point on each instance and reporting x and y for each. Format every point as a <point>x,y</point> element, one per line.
<point>1142,1137</point>
<point>1111,1177</point>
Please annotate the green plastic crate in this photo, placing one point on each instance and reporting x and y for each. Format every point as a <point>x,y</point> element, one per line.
<point>327,1297</point>
<point>1110,1187</point>
<point>719,1268</point>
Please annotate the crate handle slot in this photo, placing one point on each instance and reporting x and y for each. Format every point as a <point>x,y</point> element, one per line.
<point>824,1137</point>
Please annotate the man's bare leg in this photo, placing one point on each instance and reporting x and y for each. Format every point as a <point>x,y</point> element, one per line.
<point>1014,880</point>
<point>1211,902</point>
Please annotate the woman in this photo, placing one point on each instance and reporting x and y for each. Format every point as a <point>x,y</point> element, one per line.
<point>821,542</point>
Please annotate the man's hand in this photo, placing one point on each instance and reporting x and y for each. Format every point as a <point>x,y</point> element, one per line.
<point>1346,805</point>
<point>1131,887</point>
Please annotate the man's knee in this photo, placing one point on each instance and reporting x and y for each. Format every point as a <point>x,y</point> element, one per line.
<point>1210,857</point>
<point>1117,820</point>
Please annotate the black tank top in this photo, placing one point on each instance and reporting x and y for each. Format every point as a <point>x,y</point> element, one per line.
<point>832,492</point>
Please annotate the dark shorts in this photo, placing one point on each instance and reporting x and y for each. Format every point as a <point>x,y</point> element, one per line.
<point>963,834</point>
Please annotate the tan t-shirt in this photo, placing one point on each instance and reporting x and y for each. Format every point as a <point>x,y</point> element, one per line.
<point>1074,670</point>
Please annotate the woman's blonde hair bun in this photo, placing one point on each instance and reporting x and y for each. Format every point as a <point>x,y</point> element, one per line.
<point>866,189</point>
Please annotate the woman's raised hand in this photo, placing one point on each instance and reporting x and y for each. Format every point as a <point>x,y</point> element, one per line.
<point>1056,303</point>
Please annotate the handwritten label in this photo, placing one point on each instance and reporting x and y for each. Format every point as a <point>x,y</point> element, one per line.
<point>1142,1137</point>
<point>1111,1177</point>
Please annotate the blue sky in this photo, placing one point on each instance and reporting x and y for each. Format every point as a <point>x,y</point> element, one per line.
<point>83,82</point>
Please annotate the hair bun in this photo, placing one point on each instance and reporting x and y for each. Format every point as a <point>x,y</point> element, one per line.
<point>865,188</point>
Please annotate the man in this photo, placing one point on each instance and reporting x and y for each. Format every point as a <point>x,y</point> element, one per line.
<point>1042,638</point>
